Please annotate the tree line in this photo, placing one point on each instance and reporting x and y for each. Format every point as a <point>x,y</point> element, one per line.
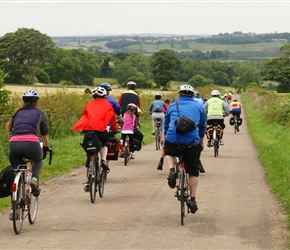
<point>27,56</point>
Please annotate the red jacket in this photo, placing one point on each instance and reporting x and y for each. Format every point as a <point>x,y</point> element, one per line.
<point>97,114</point>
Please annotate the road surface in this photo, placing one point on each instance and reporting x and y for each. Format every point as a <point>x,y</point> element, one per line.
<point>139,210</point>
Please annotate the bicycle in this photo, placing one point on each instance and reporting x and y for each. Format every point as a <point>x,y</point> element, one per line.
<point>236,125</point>
<point>126,150</point>
<point>215,139</point>
<point>182,192</point>
<point>96,175</point>
<point>24,202</point>
<point>157,133</point>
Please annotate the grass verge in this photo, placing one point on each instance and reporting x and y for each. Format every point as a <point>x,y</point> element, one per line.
<point>271,142</point>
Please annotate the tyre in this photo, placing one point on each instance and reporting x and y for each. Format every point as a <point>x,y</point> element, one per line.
<point>157,138</point>
<point>182,200</point>
<point>102,183</point>
<point>93,180</point>
<point>18,205</point>
<point>32,208</point>
<point>126,155</point>
<point>216,148</point>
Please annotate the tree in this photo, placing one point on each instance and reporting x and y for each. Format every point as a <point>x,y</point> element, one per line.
<point>22,51</point>
<point>245,75</point>
<point>164,67</point>
<point>199,81</point>
<point>278,69</point>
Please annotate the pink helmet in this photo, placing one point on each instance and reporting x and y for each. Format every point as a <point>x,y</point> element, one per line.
<point>131,106</point>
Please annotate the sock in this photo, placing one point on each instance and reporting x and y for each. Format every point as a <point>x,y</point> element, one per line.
<point>193,199</point>
<point>161,159</point>
<point>172,170</point>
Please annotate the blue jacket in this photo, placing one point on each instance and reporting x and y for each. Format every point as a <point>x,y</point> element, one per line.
<point>193,110</point>
<point>114,104</point>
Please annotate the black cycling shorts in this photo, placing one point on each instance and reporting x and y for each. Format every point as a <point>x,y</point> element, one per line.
<point>190,156</point>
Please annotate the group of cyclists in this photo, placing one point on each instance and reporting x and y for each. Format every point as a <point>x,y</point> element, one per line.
<point>104,110</point>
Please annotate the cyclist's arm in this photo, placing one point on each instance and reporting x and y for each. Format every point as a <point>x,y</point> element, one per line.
<point>45,140</point>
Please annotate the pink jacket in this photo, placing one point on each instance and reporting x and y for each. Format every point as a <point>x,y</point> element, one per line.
<point>129,122</point>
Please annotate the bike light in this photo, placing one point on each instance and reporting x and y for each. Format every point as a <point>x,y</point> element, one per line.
<point>13,187</point>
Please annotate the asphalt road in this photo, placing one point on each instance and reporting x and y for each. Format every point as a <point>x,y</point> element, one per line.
<point>139,210</point>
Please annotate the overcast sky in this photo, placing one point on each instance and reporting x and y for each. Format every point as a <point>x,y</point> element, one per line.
<point>78,18</point>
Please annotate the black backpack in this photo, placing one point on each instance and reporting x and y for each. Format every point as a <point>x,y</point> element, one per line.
<point>6,180</point>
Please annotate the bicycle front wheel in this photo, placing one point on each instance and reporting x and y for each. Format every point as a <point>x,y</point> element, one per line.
<point>32,208</point>
<point>182,200</point>
<point>18,205</point>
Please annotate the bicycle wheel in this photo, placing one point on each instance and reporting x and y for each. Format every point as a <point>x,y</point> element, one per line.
<point>101,183</point>
<point>32,207</point>
<point>18,204</point>
<point>216,148</point>
<point>157,138</point>
<point>126,155</point>
<point>182,200</point>
<point>93,179</point>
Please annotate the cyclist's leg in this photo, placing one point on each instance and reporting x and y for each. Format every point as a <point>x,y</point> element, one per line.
<point>160,164</point>
<point>191,162</point>
<point>104,138</point>
<point>132,147</point>
<point>171,151</point>
<point>153,123</point>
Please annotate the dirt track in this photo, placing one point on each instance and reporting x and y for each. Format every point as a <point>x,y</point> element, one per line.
<point>139,211</point>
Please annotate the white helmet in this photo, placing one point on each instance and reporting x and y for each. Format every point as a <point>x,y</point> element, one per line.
<point>30,96</point>
<point>30,93</point>
<point>99,91</point>
<point>131,85</point>
<point>215,93</point>
<point>186,90</point>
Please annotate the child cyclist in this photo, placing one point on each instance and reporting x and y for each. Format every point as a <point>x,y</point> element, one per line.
<point>129,124</point>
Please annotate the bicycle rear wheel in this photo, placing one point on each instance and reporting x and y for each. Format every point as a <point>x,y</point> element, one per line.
<point>182,200</point>
<point>101,183</point>
<point>216,148</point>
<point>126,155</point>
<point>18,205</point>
<point>157,138</point>
<point>93,179</point>
<point>32,208</point>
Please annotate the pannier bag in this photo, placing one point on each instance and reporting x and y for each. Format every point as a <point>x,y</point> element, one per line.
<point>209,131</point>
<point>240,121</point>
<point>113,149</point>
<point>6,180</point>
<point>138,139</point>
<point>184,125</point>
<point>232,121</point>
<point>91,139</point>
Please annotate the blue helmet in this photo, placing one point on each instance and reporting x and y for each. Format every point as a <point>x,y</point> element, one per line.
<point>106,86</point>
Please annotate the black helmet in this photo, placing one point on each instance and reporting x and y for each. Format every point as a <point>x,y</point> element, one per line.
<point>167,100</point>
<point>131,85</point>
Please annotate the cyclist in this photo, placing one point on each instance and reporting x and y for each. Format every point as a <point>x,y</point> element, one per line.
<point>129,124</point>
<point>129,96</point>
<point>157,113</point>
<point>167,103</point>
<point>229,97</point>
<point>236,109</point>
<point>111,100</point>
<point>24,126</point>
<point>97,114</point>
<point>198,98</point>
<point>192,141</point>
<point>216,109</point>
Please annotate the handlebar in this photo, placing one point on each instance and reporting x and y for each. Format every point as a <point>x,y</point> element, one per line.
<point>50,154</point>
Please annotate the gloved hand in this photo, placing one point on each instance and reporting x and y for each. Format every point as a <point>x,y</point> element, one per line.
<point>44,150</point>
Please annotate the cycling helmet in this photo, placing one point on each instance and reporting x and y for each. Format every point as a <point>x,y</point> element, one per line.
<point>167,100</point>
<point>235,100</point>
<point>131,107</point>
<point>106,86</point>
<point>215,93</point>
<point>30,96</point>
<point>99,91</point>
<point>186,90</point>
<point>131,85</point>
<point>158,96</point>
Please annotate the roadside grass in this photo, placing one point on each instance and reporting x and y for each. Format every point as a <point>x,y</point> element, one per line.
<point>271,141</point>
